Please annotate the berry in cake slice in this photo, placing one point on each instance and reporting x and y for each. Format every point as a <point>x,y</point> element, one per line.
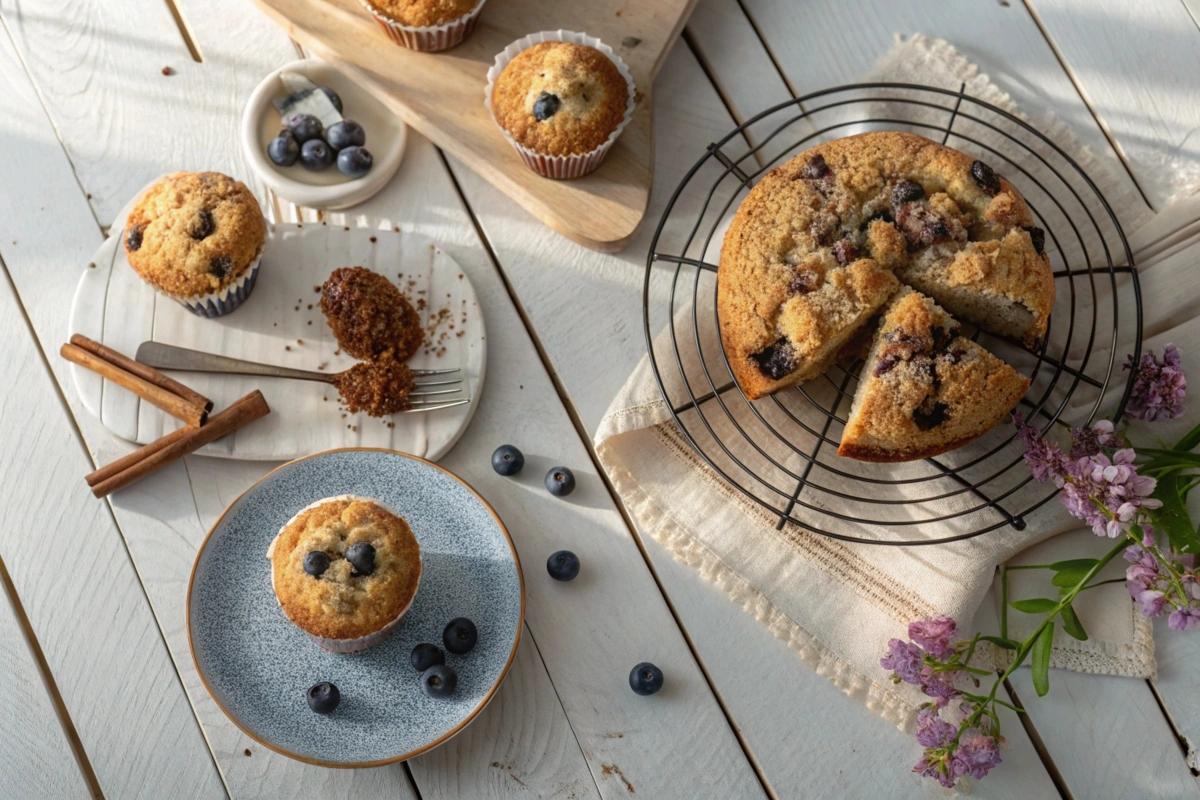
<point>924,389</point>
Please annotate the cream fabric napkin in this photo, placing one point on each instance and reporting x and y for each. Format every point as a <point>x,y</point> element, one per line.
<point>836,603</point>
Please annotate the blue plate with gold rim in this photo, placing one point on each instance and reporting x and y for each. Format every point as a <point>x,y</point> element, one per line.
<point>258,665</point>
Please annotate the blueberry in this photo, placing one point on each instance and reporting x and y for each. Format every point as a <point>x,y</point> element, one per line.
<point>333,97</point>
<point>315,155</point>
<point>324,697</point>
<point>220,266</point>
<point>203,226</point>
<point>439,680</point>
<point>907,191</point>
<point>133,239</point>
<point>645,678</point>
<point>283,150</point>
<point>346,133</point>
<point>776,361</point>
<point>815,168</point>
<point>985,178</point>
<point>459,636</point>
<point>426,655</point>
<point>563,565</point>
<point>507,460</point>
<point>354,162</point>
<point>361,556</point>
<point>315,563</point>
<point>305,127</point>
<point>546,106</point>
<point>560,482</point>
<point>1038,237</point>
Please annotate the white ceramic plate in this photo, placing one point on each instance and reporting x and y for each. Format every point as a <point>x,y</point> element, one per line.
<point>328,189</point>
<point>114,306</point>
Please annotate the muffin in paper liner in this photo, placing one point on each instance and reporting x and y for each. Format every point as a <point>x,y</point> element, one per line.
<point>346,646</point>
<point>430,38</point>
<point>580,164</point>
<point>214,304</point>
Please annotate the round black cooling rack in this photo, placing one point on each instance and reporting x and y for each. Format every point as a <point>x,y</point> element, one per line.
<point>779,452</point>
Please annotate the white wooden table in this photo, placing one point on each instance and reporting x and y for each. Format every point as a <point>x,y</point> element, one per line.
<point>98,693</point>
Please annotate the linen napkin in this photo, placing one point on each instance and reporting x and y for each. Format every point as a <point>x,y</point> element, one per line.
<point>836,603</point>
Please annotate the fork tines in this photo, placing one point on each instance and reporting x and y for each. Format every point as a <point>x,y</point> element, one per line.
<point>423,391</point>
<point>435,405</point>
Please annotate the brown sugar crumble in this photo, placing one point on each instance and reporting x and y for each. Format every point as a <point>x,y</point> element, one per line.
<point>377,387</point>
<point>368,314</point>
<point>373,240</point>
<point>169,71</point>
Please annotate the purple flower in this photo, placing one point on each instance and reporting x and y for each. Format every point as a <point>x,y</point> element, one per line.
<point>932,730</point>
<point>975,755</point>
<point>1089,441</point>
<point>1184,619</point>
<point>1153,603</point>
<point>938,685</point>
<point>1158,386</point>
<point>1107,493</point>
<point>1043,458</point>
<point>935,635</point>
<point>904,661</point>
<point>935,763</point>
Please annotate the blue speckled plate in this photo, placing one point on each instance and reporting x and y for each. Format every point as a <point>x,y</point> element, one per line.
<point>258,666</point>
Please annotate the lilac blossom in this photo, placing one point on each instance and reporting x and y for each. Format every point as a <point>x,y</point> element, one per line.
<point>1159,387</point>
<point>1184,619</point>
<point>904,661</point>
<point>936,635</point>
<point>1089,441</point>
<point>932,730</point>
<point>977,752</point>
<point>1044,459</point>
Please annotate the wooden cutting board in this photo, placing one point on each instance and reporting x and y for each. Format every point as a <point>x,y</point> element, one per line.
<point>441,95</point>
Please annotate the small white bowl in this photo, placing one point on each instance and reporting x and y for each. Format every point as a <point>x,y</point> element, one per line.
<point>328,189</point>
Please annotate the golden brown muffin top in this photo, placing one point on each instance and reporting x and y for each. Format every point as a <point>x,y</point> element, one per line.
<point>424,13</point>
<point>194,233</point>
<point>369,316</point>
<point>589,98</point>
<point>342,604</point>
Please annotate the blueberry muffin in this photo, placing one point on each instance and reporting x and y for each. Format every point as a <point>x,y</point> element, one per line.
<point>925,389</point>
<point>345,569</point>
<point>197,237</point>
<point>427,25</point>
<point>818,245</point>
<point>369,316</point>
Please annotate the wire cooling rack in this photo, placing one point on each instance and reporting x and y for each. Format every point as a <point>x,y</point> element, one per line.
<point>780,451</point>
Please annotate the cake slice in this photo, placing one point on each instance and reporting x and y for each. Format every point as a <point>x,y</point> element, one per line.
<point>924,389</point>
<point>1005,285</point>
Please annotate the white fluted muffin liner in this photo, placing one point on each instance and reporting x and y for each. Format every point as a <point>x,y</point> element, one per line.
<point>344,646</point>
<point>430,38</point>
<point>573,166</point>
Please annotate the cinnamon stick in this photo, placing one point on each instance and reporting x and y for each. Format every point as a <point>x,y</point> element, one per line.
<point>246,410</point>
<point>169,402</point>
<point>123,463</point>
<point>143,371</point>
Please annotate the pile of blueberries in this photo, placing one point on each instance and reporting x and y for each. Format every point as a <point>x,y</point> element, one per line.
<point>316,147</point>
<point>438,678</point>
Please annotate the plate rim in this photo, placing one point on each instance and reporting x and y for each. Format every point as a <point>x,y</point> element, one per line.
<point>512,656</point>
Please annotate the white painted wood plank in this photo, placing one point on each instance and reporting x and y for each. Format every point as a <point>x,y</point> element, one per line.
<point>586,308</point>
<point>831,42</point>
<point>82,597</point>
<point>36,755</point>
<point>98,69</point>
<point>589,633</point>
<point>1178,683</point>
<point>1107,736</point>
<point>96,630</point>
<point>1137,64</point>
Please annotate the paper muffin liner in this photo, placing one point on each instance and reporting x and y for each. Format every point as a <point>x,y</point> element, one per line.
<point>214,304</point>
<point>431,38</point>
<point>345,646</point>
<point>560,167</point>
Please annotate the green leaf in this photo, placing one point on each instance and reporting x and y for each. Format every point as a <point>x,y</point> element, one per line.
<point>1069,573</point>
<point>1071,623</point>
<point>1189,441</point>
<point>1000,641</point>
<point>1041,660</point>
<point>1039,605</point>
<point>1173,518</point>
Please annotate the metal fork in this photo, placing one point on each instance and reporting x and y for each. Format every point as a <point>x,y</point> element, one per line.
<point>166,356</point>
